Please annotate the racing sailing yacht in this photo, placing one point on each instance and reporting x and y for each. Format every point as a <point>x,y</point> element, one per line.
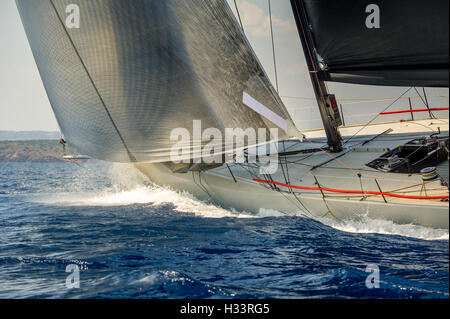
<point>129,76</point>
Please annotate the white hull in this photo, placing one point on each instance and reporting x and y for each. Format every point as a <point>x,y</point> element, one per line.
<point>244,194</point>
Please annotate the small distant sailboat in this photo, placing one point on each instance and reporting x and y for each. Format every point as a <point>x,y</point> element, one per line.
<point>135,71</point>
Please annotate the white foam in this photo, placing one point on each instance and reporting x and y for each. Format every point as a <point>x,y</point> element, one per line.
<point>367,225</point>
<point>152,196</point>
<point>129,189</point>
<point>269,213</point>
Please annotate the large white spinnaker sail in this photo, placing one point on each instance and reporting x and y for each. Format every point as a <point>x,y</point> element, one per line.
<point>127,73</point>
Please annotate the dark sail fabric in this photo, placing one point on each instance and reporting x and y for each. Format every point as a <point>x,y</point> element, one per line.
<point>411,47</point>
<point>136,70</point>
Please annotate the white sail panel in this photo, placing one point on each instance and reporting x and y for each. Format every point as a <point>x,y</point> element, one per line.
<point>134,71</point>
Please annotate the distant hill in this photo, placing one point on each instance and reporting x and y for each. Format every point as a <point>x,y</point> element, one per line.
<point>34,151</point>
<point>29,136</point>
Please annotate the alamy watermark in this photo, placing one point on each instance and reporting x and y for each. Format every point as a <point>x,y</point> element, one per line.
<point>73,17</point>
<point>73,280</point>
<point>214,146</point>
<point>373,20</point>
<point>373,280</point>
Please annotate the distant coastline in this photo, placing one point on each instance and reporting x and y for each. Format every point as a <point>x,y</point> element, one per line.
<point>42,151</point>
<point>28,135</point>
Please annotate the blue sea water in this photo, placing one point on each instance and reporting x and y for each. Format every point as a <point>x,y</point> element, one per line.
<point>134,240</point>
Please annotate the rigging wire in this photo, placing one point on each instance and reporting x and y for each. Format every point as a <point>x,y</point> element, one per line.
<point>273,47</point>
<point>364,193</point>
<point>416,111</point>
<point>297,201</point>
<point>361,100</point>
<point>353,170</point>
<point>352,191</point>
<point>372,120</point>
<point>425,102</point>
<point>239,16</point>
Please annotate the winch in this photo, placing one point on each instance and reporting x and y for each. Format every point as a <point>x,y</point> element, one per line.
<point>429,173</point>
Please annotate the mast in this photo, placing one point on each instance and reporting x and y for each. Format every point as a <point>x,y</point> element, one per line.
<point>328,108</point>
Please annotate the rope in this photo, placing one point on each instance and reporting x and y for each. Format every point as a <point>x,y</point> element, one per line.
<point>329,212</point>
<point>340,191</point>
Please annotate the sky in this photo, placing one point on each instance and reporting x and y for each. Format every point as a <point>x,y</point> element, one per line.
<point>24,105</point>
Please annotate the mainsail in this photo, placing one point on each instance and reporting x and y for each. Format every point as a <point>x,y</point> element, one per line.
<point>134,71</point>
<point>382,42</point>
